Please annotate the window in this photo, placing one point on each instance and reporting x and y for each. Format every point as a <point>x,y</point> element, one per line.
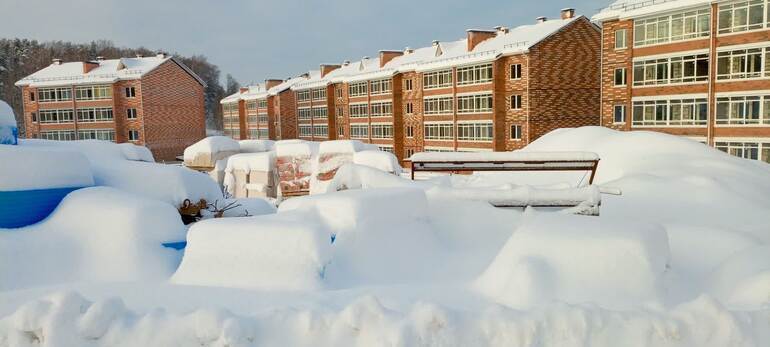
<point>619,113</point>
<point>130,92</point>
<point>131,113</point>
<point>676,27</point>
<point>474,103</point>
<point>408,84</point>
<point>357,89</point>
<point>758,150</point>
<point>320,113</point>
<point>474,74</point>
<point>358,110</point>
<point>741,16</point>
<point>338,91</point>
<point>252,119</point>
<point>31,96</point>
<point>359,131</point>
<point>251,105</point>
<point>516,102</point>
<point>409,108</point>
<point>93,92</point>
<point>439,149</point>
<point>384,148</point>
<point>34,117</point>
<point>474,131</point>
<point>743,63</point>
<point>439,131</point>
<point>382,86</point>
<point>58,135</point>
<point>262,118</point>
<point>340,130</point>
<point>56,116</point>
<point>437,79</point>
<point>306,130</point>
<point>408,152</point>
<point>620,77</point>
<point>685,69</point>
<point>97,134</point>
<point>319,94</point>
<point>515,132</point>
<point>54,94</point>
<point>409,130</point>
<point>253,133</point>
<point>382,109</point>
<point>133,135</point>
<point>670,112</point>
<point>382,131</point>
<point>340,112</point>
<point>321,130</point>
<point>620,39</point>
<point>743,110</point>
<point>304,113</point>
<point>95,114</point>
<point>262,103</point>
<point>516,71</point>
<point>438,105</point>
<point>303,95</point>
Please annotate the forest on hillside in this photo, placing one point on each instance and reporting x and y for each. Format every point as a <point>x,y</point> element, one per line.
<point>22,57</point>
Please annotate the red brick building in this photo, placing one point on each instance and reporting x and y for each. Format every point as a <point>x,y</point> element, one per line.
<point>153,101</point>
<point>262,111</point>
<point>697,69</point>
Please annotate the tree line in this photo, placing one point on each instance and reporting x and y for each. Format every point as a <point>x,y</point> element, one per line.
<point>21,57</point>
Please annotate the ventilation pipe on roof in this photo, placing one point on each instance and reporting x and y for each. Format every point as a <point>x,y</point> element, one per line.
<point>408,50</point>
<point>501,29</point>
<point>434,43</point>
<point>567,13</point>
<point>366,57</point>
<point>99,58</point>
<point>346,63</point>
<point>161,55</point>
<point>56,61</point>
<point>541,19</point>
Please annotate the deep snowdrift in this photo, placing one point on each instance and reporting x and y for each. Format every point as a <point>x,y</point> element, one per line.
<point>679,259</point>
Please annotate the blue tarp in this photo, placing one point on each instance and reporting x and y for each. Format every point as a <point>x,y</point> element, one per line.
<point>21,208</point>
<point>9,135</point>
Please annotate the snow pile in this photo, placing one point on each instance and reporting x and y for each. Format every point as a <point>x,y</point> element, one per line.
<point>119,240</point>
<point>206,152</point>
<point>295,165</point>
<point>256,146</point>
<point>267,252</point>
<point>249,168</point>
<point>38,168</point>
<point>331,156</point>
<point>9,132</point>
<point>743,280</point>
<point>381,160</point>
<point>136,153</point>
<point>578,260</point>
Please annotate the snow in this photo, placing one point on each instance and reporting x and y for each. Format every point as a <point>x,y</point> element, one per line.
<point>7,118</point>
<point>120,240</point>
<point>107,71</point>
<point>270,252</point>
<point>614,264</point>
<point>206,152</point>
<point>432,157</point>
<point>136,153</point>
<point>380,160</point>
<point>679,259</point>
<point>245,163</point>
<point>38,168</point>
<point>624,9</point>
<point>256,146</point>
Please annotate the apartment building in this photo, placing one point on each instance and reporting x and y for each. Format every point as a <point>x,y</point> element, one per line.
<point>494,90</point>
<point>699,69</point>
<point>153,101</point>
<point>261,111</point>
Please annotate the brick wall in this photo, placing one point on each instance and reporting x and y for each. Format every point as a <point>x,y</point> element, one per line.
<point>173,110</point>
<point>564,79</point>
<point>287,110</point>
<point>613,59</point>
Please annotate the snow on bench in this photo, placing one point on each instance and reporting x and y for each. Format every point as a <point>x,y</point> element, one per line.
<point>505,161</point>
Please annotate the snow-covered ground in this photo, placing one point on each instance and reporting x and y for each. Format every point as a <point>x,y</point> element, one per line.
<point>681,258</point>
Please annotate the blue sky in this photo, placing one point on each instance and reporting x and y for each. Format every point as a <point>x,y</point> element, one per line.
<point>254,40</point>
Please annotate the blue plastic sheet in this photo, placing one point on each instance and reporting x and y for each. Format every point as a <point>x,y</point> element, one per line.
<point>21,208</point>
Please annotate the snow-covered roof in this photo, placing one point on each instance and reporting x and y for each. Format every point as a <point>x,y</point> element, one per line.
<point>440,55</point>
<point>231,98</point>
<point>106,71</point>
<point>624,9</point>
<point>254,92</point>
<point>258,91</point>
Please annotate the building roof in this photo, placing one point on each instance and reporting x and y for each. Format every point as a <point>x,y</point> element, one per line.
<point>107,71</point>
<point>441,55</point>
<point>624,9</point>
<point>258,91</point>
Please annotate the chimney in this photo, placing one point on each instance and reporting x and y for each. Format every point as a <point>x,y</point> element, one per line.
<point>541,19</point>
<point>161,55</point>
<point>476,36</point>
<point>434,43</point>
<point>270,83</point>
<point>386,56</point>
<point>408,50</point>
<point>567,13</point>
<point>99,58</point>
<point>346,63</point>
<point>243,90</point>
<point>501,30</point>
<point>89,65</point>
<point>327,68</point>
<point>56,61</point>
<point>305,75</point>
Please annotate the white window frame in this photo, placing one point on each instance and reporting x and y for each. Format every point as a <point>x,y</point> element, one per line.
<point>359,131</point>
<point>695,17</point>
<point>474,74</point>
<point>357,89</point>
<point>620,38</point>
<point>515,132</point>
<point>516,102</point>
<point>664,68</point>
<point>381,109</point>
<point>738,110</point>
<point>441,131</point>
<point>475,131</point>
<point>622,109</point>
<point>381,86</point>
<point>95,114</point>
<point>436,105</point>
<point>516,71</point>
<point>730,9</point>
<point>475,103</point>
<point>659,112</point>
<point>304,113</point>
<point>624,77</point>
<point>358,110</point>
<point>381,131</point>
<point>437,79</point>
